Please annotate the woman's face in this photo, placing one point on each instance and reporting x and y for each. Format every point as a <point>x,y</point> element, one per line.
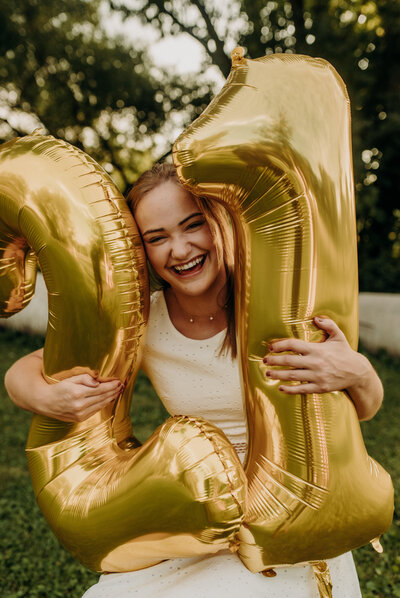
<point>178,240</point>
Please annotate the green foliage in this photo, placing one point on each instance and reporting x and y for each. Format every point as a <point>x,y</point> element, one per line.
<point>380,573</point>
<point>101,92</point>
<point>59,69</point>
<point>34,565</point>
<point>362,40</point>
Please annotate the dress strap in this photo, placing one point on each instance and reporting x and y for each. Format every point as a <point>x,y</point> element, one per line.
<point>323,578</point>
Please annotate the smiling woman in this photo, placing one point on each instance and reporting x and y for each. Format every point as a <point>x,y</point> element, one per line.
<point>189,248</point>
<point>182,251</point>
<point>190,357</point>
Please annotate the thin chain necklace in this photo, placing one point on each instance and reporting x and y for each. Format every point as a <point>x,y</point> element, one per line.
<point>193,317</point>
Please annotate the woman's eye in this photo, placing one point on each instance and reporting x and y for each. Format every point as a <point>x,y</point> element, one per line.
<point>196,224</point>
<point>155,239</point>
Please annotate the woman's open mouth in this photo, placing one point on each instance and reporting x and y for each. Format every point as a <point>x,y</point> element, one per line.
<point>191,267</point>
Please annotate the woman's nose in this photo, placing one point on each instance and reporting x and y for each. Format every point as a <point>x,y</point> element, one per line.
<point>180,248</point>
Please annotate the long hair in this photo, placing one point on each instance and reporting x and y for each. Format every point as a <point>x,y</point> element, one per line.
<point>218,221</point>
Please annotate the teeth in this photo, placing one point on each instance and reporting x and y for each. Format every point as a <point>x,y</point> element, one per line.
<point>189,265</point>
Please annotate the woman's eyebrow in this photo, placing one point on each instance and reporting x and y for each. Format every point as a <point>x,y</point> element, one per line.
<point>159,230</point>
<point>153,230</point>
<point>189,217</point>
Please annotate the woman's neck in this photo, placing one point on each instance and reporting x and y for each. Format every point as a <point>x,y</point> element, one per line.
<point>198,316</point>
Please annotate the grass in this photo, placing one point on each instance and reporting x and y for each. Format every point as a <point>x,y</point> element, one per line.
<point>380,574</point>
<point>34,565</point>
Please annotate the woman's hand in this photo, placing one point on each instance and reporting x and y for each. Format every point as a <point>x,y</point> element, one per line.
<point>77,398</point>
<point>72,400</point>
<point>325,367</point>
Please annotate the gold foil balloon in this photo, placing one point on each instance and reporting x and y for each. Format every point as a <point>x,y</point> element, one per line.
<point>274,148</point>
<point>115,505</point>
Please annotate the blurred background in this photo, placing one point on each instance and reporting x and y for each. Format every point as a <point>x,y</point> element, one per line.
<point>120,79</point>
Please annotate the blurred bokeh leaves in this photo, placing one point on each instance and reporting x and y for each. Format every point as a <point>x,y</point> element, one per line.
<point>60,67</point>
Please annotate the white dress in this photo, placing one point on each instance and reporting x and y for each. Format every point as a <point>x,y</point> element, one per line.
<point>190,378</point>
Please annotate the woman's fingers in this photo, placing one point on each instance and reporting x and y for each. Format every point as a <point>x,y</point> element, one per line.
<point>103,397</point>
<point>291,344</point>
<point>302,389</point>
<point>303,347</point>
<point>315,367</point>
<point>290,375</point>
<point>85,379</point>
<point>78,400</point>
<point>92,405</point>
<point>288,359</point>
<point>329,326</point>
<point>105,387</point>
<point>100,388</point>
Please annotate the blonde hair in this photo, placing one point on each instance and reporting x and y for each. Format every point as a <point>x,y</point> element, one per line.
<point>218,221</point>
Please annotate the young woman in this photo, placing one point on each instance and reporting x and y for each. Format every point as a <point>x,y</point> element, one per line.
<point>190,357</point>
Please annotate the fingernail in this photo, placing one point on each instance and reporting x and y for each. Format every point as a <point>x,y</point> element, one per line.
<point>265,360</point>
<point>268,374</point>
<point>280,388</point>
<point>271,347</point>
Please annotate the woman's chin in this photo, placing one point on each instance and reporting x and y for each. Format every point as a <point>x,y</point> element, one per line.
<point>192,283</point>
<point>190,287</point>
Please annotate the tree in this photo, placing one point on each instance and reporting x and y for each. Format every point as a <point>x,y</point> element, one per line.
<point>59,70</point>
<point>362,40</point>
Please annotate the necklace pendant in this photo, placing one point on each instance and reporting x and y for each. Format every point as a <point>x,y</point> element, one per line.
<point>191,320</point>
<point>211,318</point>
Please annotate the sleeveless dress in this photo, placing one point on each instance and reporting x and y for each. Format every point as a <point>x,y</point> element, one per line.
<point>191,378</point>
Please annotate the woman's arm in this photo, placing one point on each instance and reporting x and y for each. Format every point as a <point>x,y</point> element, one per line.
<point>73,399</point>
<point>327,366</point>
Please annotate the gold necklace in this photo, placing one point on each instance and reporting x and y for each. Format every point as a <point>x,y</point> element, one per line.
<point>192,317</point>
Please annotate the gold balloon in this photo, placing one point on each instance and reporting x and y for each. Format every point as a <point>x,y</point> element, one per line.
<point>274,148</point>
<point>115,505</point>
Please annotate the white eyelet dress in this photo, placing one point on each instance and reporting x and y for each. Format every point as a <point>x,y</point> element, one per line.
<point>191,379</point>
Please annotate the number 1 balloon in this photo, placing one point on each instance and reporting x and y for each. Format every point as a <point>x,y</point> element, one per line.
<point>274,148</point>
<point>115,505</point>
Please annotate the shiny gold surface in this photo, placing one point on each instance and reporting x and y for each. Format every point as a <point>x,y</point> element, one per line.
<point>274,148</point>
<point>115,505</point>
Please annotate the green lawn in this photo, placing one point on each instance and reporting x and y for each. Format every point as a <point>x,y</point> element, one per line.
<point>32,563</point>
